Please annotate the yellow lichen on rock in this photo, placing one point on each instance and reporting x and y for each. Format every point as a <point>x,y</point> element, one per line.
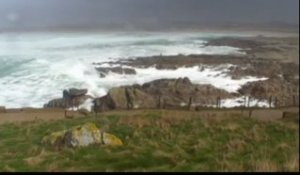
<point>83,135</point>
<point>54,138</point>
<point>109,139</point>
<point>90,126</point>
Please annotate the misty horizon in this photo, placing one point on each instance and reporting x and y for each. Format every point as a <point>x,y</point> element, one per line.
<point>145,14</point>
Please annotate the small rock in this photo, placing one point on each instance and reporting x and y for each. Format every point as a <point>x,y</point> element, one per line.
<point>119,70</point>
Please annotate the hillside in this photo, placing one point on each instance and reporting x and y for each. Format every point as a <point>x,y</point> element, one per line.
<point>158,140</point>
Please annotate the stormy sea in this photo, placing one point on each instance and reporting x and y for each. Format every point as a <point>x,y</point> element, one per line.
<point>36,67</point>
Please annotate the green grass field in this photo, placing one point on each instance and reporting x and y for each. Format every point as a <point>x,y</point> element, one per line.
<point>158,141</point>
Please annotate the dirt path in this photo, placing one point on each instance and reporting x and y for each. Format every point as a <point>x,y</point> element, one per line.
<point>27,115</point>
<point>260,114</point>
<point>24,115</point>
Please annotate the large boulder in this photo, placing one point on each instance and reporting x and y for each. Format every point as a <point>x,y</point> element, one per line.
<point>131,97</point>
<point>104,103</point>
<point>164,93</point>
<point>73,92</point>
<point>125,98</point>
<point>71,98</point>
<point>81,136</point>
<point>177,93</point>
<point>119,97</point>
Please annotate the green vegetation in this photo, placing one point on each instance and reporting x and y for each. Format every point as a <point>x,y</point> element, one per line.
<point>158,141</point>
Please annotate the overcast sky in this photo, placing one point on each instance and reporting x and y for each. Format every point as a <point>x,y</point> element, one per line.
<point>63,13</point>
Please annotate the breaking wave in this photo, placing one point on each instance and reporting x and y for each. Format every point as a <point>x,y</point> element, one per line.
<point>35,68</point>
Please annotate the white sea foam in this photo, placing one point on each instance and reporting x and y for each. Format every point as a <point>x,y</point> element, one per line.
<point>242,101</point>
<point>35,68</point>
<point>216,76</point>
<point>88,104</point>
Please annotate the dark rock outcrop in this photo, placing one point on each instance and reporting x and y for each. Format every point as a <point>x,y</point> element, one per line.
<point>104,103</point>
<point>125,98</point>
<point>180,92</point>
<point>283,93</point>
<point>71,98</point>
<point>243,43</point>
<point>56,103</point>
<point>271,69</point>
<point>76,92</point>
<point>120,70</point>
<point>164,93</point>
<point>174,62</point>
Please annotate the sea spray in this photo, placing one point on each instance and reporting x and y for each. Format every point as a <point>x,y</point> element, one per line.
<point>37,67</point>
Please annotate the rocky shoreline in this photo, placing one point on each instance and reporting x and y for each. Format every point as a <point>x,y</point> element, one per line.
<point>263,56</point>
<point>274,58</point>
<point>181,94</point>
<point>277,59</point>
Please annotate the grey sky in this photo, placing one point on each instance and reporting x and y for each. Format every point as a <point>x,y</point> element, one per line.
<point>91,13</point>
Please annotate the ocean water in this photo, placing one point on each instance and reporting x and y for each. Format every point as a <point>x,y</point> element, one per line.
<point>36,67</point>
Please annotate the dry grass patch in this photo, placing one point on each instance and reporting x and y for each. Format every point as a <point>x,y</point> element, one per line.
<point>292,165</point>
<point>236,145</point>
<point>35,160</point>
<point>265,166</point>
<point>231,126</point>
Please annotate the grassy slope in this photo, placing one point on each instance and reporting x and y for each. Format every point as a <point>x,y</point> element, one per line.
<point>158,141</point>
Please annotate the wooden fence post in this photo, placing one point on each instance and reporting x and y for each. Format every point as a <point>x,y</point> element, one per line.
<point>65,107</point>
<point>250,113</point>
<point>160,102</point>
<point>190,103</point>
<point>294,100</point>
<point>128,99</point>
<point>95,107</point>
<point>276,102</point>
<point>283,114</point>
<point>270,101</point>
